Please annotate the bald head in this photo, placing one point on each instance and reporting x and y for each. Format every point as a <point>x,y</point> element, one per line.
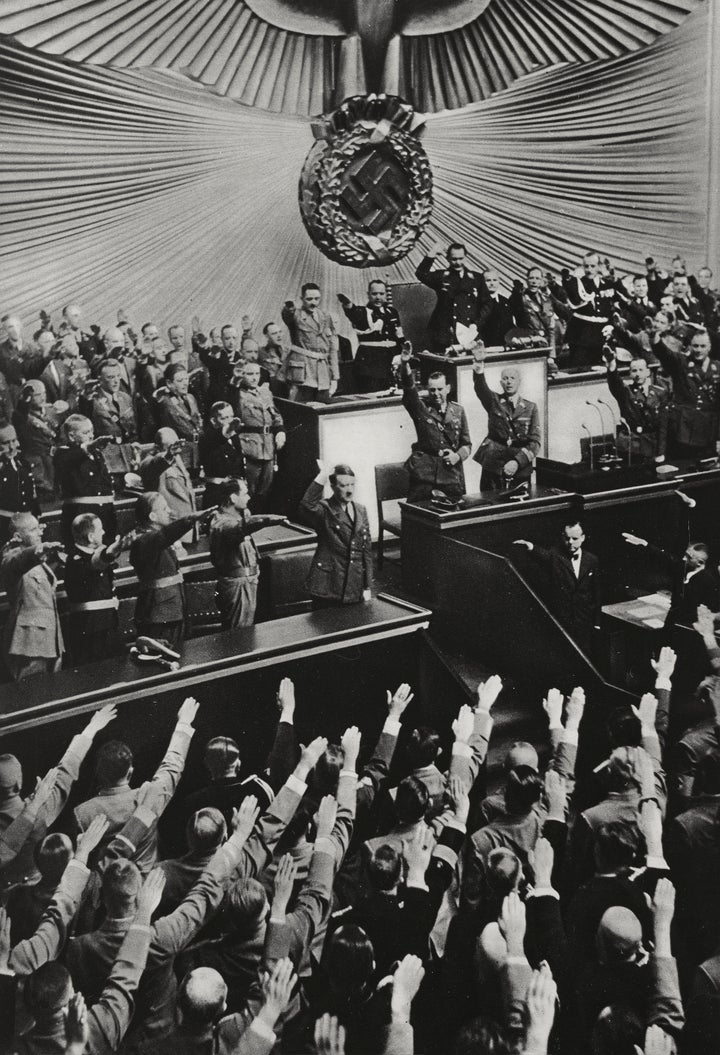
<point>165,438</point>
<point>202,997</point>
<point>510,380</point>
<point>522,754</point>
<point>619,935</point>
<point>113,338</point>
<point>13,327</point>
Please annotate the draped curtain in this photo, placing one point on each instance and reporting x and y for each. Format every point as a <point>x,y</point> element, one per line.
<point>141,189</point>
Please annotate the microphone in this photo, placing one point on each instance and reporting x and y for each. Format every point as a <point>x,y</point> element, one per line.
<point>630,439</point>
<point>603,403</point>
<point>598,411</point>
<point>590,445</point>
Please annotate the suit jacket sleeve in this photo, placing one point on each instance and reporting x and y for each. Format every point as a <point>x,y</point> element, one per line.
<point>109,1018</point>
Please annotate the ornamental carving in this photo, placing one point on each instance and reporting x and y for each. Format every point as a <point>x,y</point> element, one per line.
<point>366,185</point>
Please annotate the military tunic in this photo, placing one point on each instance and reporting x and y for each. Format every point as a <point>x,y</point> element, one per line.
<point>92,604</point>
<point>379,336</point>
<point>160,606</point>
<point>460,295</point>
<point>236,561</point>
<point>513,435</point>
<point>646,411</point>
<point>694,421</point>
<point>436,431</point>
<point>261,422</point>
<point>18,493</point>
<point>312,362</point>
<point>86,486</point>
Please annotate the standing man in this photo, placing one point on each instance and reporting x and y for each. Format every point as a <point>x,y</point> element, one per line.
<point>341,571</point>
<point>33,641</point>
<point>112,412</point>
<point>592,299</point>
<point>261,433</point>
<point>220,452</point>
<point>82,477</point>
<point>164,471</point>
<point>693,429</point>
<point>18,493</point>
<point>234,554</point>
<point>460,296</point>
<point>178,407</point>
<point>496,315</point>
<point>644,406</point>
<point>88,343</point>
<point>377,325</point>
<point>443,437</point>
<point>272,357</point>
<point>89,584</point>
<point>160,606</point>
<point>574,585</point>
<point>312,370</point>
<point>537,309</point>
<point>509,450</point>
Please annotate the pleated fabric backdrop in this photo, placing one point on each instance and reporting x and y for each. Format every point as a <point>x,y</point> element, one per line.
<point>143,190</point>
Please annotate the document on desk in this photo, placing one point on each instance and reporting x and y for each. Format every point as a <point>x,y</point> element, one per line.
<point>659,600</point>
<point>655,623</point>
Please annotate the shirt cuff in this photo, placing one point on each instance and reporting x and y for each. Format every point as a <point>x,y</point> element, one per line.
<point>569,736</point>
<point>392,727</point>
<point>555,724</point>
<point>78,864</point>
<point>462,749</point>
<point>263,1030</point>
<point>663,683</point>
<point>293,783</point>
<point>185,727</point>
<point>348,773</point>
<point>459,826</point>
<point>544,891</point>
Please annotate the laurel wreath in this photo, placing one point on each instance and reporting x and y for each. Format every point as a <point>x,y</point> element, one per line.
<point>321,187</point>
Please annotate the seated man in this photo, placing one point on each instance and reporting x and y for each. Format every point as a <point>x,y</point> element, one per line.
<point>509,450</point>
<point>33,641</point>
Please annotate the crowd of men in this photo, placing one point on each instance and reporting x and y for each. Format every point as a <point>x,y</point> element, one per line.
<point>373,898</point>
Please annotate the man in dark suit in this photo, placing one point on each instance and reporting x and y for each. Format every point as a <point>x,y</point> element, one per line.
<point>513,441</point>
<point>460,294</point>
<point>573,574</point>
<point>496,316</point>
<point>341,571</point>
<point>693,583</point>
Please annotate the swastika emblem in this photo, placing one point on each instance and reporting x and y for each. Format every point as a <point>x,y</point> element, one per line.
<point>374,192</point>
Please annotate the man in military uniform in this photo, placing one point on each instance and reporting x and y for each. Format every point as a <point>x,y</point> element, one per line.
<point>92,602</point>
<point>693,431</point>
<point>160,605</point>
<point>234,554</point>
<point>220,452</point>
<point>17,484</point>
<point>82,477</point>
<point>261,434</point>
<point>377,325</point>
<point>443,436</point>
<point>89,343</point>
<point>312,370</point>
<point>341,570</point>
<point>111,409</point>
<point>645,407</point>
<point>179,409</point>
<point>592,298</point>
<point>509,450</point>
<point>163,470</point>
<point>32,640</point>
<point>460,295</point>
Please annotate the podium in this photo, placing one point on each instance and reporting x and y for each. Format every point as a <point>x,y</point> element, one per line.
<point>579,478</point>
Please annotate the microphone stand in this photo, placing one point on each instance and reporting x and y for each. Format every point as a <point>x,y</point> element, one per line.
<point>596,408</point>
<point>590,445</point>
<point>630,439</point>
<point>614,457</point>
